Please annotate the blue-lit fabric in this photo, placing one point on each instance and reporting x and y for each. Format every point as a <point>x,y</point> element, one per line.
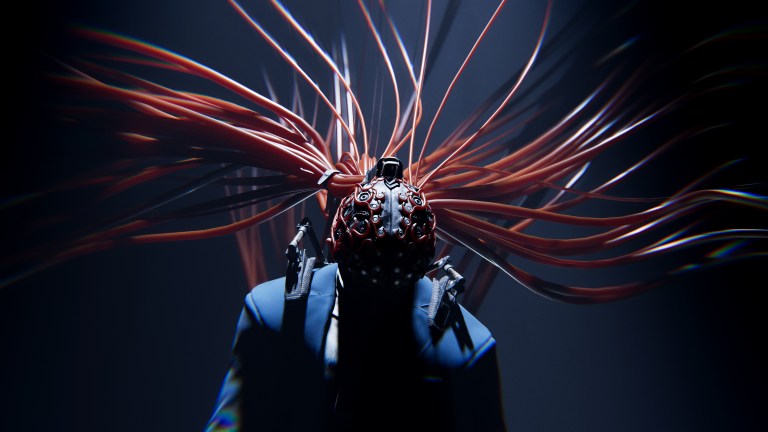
<point>277,379</point>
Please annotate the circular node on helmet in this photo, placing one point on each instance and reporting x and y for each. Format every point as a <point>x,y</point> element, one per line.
<point>386,228</point>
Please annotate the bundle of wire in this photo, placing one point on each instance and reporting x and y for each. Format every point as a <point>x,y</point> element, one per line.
<point>487,186</point>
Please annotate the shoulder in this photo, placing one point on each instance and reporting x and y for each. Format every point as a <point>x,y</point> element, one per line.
<point>461,344</point>
<point>266,301</point>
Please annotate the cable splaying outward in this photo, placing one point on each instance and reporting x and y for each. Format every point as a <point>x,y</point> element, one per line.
<point>516,162</point>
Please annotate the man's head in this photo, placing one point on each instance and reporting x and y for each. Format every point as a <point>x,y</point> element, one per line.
<point>383,234</point>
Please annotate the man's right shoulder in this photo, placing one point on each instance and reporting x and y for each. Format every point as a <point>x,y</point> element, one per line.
<point>266,302</point>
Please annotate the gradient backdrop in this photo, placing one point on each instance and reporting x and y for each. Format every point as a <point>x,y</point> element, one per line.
<point>138,338</point>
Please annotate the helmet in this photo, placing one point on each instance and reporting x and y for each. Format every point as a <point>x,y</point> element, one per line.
<point>383,234</point>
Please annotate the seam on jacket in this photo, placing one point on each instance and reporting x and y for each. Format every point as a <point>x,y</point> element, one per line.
<point>254,311</point>
<point>480,351</point>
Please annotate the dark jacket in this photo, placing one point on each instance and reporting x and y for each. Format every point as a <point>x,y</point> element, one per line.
<point>279,381</point>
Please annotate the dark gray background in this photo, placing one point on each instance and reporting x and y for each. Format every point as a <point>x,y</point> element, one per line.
<point>138,338</point>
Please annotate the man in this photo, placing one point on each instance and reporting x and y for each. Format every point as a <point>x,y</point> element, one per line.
<point>367,343</point>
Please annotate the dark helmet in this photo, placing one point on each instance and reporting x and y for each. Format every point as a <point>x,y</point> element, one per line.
<point>383,234</point>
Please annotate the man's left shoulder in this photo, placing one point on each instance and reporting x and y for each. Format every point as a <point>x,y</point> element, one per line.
<point>462,341</point>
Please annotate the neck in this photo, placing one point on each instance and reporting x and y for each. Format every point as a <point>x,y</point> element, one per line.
<point>377,353</point>
<point>375,324</point>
